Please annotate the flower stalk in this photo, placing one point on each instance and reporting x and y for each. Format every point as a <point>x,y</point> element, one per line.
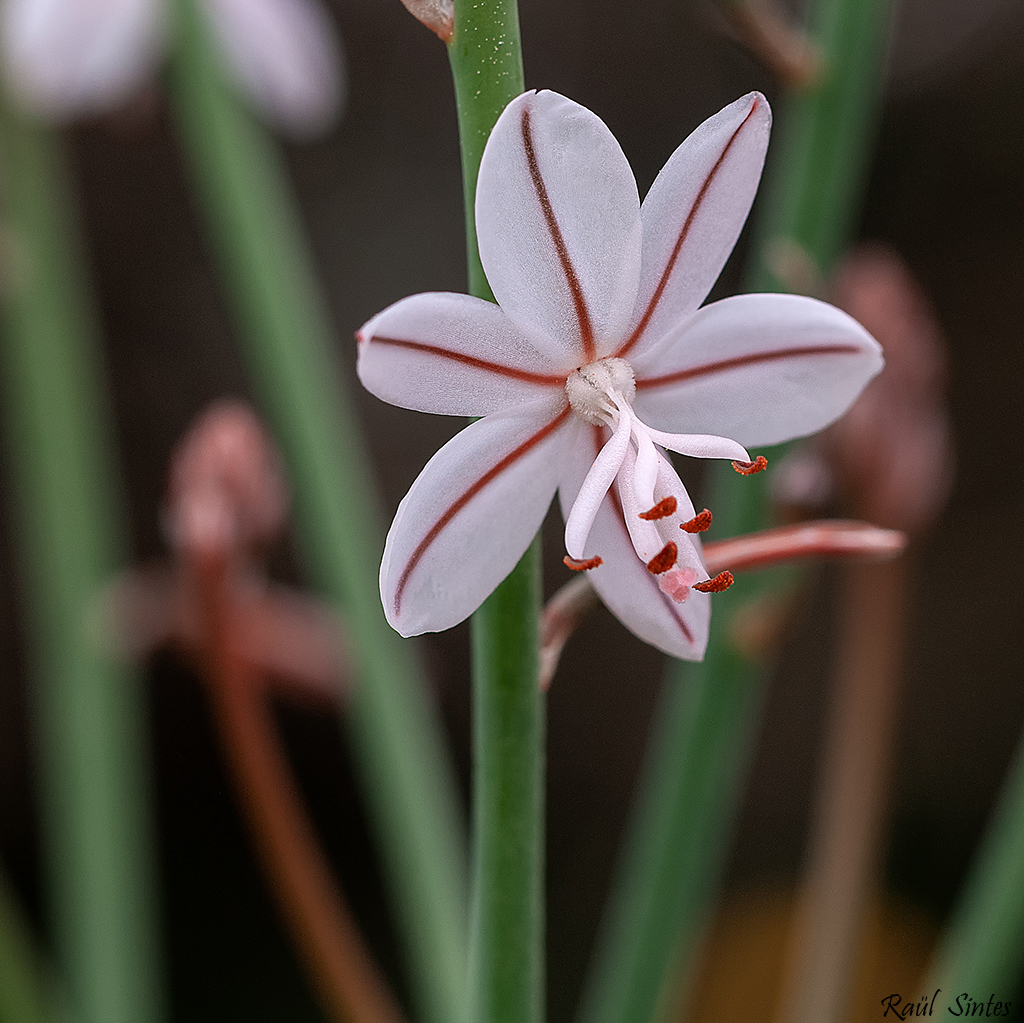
<point>226,504</point>
<point>506,979</point>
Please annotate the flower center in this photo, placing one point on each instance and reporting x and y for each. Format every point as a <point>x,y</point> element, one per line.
<point>598,390</point>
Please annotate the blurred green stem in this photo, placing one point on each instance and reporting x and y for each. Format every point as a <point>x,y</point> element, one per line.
<point>675,847</point>
<point>507,927</point>
<point>88,713</point>
<point>672,866</point>
<point>292,359</point>
<point>24,993</point>
<point>983,949</point>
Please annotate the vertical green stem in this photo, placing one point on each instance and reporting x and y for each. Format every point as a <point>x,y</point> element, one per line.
<point>487,69</point>
<point>506,952</point>
<point>507,926</point>
<point>25,995</point>
<point>88,713</point>
<point>290,352</point>
<point>983,950</point>
<point>687,797</point>
<point>672,860</point>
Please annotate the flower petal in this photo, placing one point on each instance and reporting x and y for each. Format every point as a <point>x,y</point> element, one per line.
<point>761,369</point>
<point>693,215</point>
<point>62,58</point>
<point>623,582</point>
<point>453,355</point>
<point>286,55</point>
<point>558,224</point>
<point>470,515</point>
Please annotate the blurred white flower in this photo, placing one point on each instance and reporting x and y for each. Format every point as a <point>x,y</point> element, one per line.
<point>64,58</point>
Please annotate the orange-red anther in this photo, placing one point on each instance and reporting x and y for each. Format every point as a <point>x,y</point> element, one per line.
<point>749,468</point>
<point>664,559</point>
<point>662,510</point>
<point>581,566</point>
<point>700,523</point>
<point>722,581</point>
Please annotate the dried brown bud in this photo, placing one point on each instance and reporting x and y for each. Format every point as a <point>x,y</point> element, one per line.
<point>437,15</point>
<point>892,452</point>
<point>226,490</point>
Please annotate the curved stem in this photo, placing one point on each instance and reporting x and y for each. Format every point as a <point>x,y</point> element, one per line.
<point>340,967</point>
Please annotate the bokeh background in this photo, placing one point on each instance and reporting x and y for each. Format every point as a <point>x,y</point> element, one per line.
<point>381,199</point>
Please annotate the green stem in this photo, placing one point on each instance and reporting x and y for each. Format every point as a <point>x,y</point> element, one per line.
<point>825,136</point>
<point>25,994</point>
<point>487,69</point>
<point>687,797</point>
<point>506,952</point>
<point>672,866</point>
<point>290,353</point>
<point>88,713</point>
<point>983,947</point>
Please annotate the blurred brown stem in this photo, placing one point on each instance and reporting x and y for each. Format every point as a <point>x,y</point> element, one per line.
<point>842,867</point>
<point>348,982</point>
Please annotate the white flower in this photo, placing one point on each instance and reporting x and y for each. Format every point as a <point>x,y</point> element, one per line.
<point>62,58</point>
<point>596,359</point>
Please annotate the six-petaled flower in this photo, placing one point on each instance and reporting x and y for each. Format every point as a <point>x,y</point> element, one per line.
<point>596,359</point>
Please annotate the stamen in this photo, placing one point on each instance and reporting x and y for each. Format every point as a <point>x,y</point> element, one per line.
<point>663,509</point>
<point>578,565</point>
<point>722,581</point>
<point>700,523</point>
<point>664,559</point>
<point>749,468</point>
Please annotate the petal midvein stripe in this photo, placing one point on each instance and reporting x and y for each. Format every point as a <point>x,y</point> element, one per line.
<point>572,278</point>
<point>740,361</point>
<point>547,379</point>
<point>467,495</point>
<point>687,224</point>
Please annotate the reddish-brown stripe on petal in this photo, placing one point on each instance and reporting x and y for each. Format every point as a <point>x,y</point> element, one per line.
<point>571,277</point>
<point>759,464</point>
<point>700,523</point>
<point>664,559</point>
<point>687,224</point>
<point>578,565</point>
<point>662,510</point>
<point>722,581</point>
<point>549,379</point>
<point>467,495</point>
<point>740,361</point>
<point>670,605</point>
